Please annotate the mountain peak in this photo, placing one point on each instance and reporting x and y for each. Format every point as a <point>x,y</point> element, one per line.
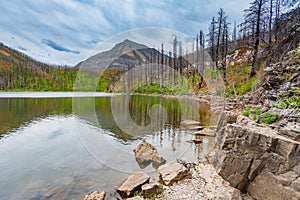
<point>127,48</point>
<point>129,45</point>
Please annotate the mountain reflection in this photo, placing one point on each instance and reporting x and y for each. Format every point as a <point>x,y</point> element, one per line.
<point>133,111</point>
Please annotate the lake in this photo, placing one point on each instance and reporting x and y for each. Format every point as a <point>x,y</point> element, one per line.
<point>64,145</point>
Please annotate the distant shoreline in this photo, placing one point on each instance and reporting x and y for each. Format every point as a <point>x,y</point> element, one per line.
<point>59,94</point>
<point>40,94</point>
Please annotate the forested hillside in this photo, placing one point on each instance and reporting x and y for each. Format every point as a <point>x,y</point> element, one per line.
<point>20,72</point>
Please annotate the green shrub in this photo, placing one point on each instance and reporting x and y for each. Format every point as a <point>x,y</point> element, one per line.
<point>257,113</point>
<point>297,90</point>
<point>230,52</point>
<point>275,105</point>
<point>246,112</point>
<point>293,102</point>
<point>247,86</point>
<point>269,118</point>
<point>230,93</point>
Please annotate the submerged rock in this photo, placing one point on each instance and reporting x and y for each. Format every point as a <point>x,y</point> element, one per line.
<point>133,183</point>
<point>206,132</point>
<point>172,172</point>
<point>191,125</point>
<point>96,195</point>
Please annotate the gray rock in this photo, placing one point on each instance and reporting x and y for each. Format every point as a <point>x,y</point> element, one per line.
<point>95,195</point>
<point>296,184</point>
<point>133,183</point>
<point>290,130</point>
<point>268,69</point>
<point>172,172</point>
<point>271,187</point>
<point>226,117</point>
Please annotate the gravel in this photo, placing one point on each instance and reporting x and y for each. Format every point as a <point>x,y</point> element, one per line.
<point>204,184</point>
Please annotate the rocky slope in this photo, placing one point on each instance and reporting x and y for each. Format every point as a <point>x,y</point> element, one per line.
<point>259,159</point>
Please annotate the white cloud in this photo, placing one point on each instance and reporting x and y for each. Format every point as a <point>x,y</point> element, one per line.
<point>78,24</point>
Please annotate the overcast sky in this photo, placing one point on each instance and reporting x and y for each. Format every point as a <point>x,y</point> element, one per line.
<point>67,31</point>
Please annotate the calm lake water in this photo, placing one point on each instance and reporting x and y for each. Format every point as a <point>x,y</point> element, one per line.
<point>63,148</point>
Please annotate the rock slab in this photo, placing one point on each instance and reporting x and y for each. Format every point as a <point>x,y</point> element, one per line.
<point>172,172</point>
<point>150,188</point>
<point>133,183</point>
<point>136,198</point>
<point>95,195</point>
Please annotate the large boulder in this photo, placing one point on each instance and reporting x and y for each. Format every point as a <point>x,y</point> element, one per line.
<point>172,172</point>
<point>250,154</point>
<point>133,183</point>
<point>146,153</point>
<point>95,195</point>
<point>275,187</point>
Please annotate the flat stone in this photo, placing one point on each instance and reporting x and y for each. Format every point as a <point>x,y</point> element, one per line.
<point>195,127</point>
<point>195,141</point>
<point>206,132</point>
<point>133,183</point>
<point>189,122</point>
<point>150,188</point>
<point>136,198</point>
<point>172,172</point>
<point>95,195</point>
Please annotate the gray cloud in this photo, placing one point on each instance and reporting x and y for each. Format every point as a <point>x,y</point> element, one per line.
<point>78,24</point>
<point>57,47</point>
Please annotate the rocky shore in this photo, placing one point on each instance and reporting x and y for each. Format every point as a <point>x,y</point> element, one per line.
<point>261,160</point>
<point>256,157</point>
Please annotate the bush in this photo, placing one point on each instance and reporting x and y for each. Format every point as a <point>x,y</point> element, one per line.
<point>257,113</point>
<point>247,86</point>
<point>246,112</point>
<point>269,118</point>
<point>230,52</point>
<point>293,102</point>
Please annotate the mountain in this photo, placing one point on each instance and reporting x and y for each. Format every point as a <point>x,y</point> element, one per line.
<point>122,56</point>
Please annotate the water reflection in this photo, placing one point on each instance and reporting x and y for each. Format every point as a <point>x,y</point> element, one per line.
<point>42,156</point>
